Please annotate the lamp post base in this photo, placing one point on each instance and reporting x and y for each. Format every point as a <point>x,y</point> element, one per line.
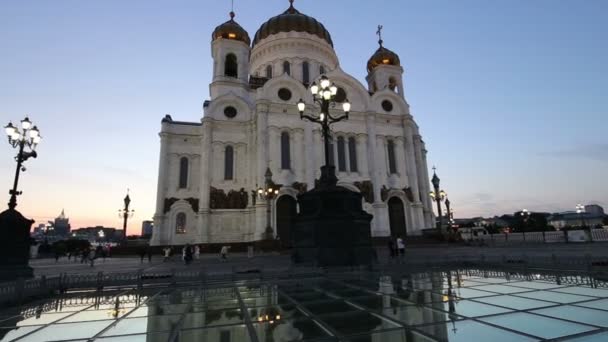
<point>15,251</point>
<point>332,229</point>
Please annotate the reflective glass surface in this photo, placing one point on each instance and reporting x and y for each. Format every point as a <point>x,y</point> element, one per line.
<point>459,305</point>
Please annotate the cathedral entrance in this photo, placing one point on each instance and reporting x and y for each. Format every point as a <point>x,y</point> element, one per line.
<point>286,208</point>
<point>396,217</point>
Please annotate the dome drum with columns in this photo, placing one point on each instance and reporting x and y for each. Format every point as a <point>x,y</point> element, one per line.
<point>210,169</point>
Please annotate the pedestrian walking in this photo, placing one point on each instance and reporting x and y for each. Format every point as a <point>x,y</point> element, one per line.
<point>149,253</point>
<point>142,254</point>
<point>167,254</point>
<point>197,252</point>
<point>401,248</point>
<point>224,253</point>
<point>92,257</point>
<point>391,248</point>
<point>188,254</point>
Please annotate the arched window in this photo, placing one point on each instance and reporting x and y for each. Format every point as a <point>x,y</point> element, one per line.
<point>392,164</point>
<point>321,70</point>
<point>269,71</point>
<point>352,154</point>
<point>229,163</point>
<point>286,68</point>
<point>341,155</point>
<point>305,73</point>
<point>285,152</point>
<point>183,173</point>
<point>231,66</point>
<point>180,223</point>
<point>392,84</point>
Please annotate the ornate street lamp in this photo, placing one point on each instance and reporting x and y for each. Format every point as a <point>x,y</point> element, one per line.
<point>580,210</point>
<point>438,196</point>
<point>26,138</point>
<point>448,212</point>
<point>125,214</point>
<point>525,214</point>
<point>324,94</point>
<point>268,193</point>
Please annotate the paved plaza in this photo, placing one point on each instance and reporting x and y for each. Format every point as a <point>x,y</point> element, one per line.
<point>276,261</point>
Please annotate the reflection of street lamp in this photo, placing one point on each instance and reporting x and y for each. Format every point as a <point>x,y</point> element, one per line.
<point>125,214</point>
<point>438,196</point>
<point>324,94</point>
<point>580,210</point>
<point>28,136</point>
<point>268,193</point>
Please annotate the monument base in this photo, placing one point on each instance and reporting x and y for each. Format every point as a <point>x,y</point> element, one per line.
<point>15,251</point>
<point>332,229</point>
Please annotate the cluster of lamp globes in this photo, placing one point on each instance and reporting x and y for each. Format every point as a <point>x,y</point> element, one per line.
<point>28,134</point>
<point>269,319</point>
<point>324,91</point>
<point>441,195</point>
<point>266,193</point>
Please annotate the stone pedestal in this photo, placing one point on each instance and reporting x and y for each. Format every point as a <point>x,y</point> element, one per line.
<point>14,246</point>
<point>332,229</point>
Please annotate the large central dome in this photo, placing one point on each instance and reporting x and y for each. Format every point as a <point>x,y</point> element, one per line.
<point>292,20</point>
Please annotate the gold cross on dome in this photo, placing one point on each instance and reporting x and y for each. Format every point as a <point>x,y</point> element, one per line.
<point>379,33</point>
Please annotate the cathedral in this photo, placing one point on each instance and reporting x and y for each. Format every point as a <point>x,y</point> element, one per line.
<point>251,137</point>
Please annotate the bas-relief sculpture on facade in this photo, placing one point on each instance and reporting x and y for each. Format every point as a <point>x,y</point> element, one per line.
<point>251,123</point>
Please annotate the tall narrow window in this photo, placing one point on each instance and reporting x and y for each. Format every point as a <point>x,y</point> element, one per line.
<point>286,68</point>
<point>305,73</point>
<point>285,152</point>
<point>183,173</point>
<point>180,223</point>
<point>332,159</point>
<point>229,163</point>
<point>392,84</point>
<point>352,153</point>
<point>269,71</point>
<point>231,66</point>
<point>392,164</point>
<point>321,70</point>
<point>341,155</point>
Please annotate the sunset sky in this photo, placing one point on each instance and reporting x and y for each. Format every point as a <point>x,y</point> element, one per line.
<point>511,96</point>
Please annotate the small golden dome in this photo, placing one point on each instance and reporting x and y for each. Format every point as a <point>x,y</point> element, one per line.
<point>231,30</point>
<point>382,56</point>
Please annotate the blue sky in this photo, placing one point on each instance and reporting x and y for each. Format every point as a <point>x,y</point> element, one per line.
<point>510,96</point>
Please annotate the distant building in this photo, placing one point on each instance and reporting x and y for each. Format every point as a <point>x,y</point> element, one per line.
<point>97,233</point>
<point>574,219</point>
<point>147,227</point>
<point>594,209</point>
<point>61,226</point>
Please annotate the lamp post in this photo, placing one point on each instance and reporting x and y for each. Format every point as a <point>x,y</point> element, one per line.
<point>447,212</point>
<point>324,94</point>
<point>125,214</point>
<point>580,210</point>
<point>25,139</point>
<point>268,193</point>
<point>525,214</point>
<point>438,196</point>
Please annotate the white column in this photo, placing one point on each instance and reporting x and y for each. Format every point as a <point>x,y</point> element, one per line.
<point>422,178</point>
<point>411,164</point>
<point>424,167</point>
<point>298,155</point>
<point>370,122</point>
<point>400,160</point>
<point>262,143</point>
<point>204,211</point>
<point>161,189</point>
<point>274,147</point>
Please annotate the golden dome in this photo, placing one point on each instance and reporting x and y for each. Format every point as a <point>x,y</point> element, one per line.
<point>292,20</point>
<point>382,56</point>
<point>231,30</point>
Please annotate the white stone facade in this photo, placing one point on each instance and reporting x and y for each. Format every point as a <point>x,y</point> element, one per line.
<point>254,136</point>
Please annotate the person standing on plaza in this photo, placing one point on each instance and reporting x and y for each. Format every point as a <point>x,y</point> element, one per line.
<point>149,253</point>
<point>401,248</point>
<point>391,248</point>
<point>167,255</point>
<point>92,257</point>
<point>197,252</point>
<point>142,254</point>
<point>224,253</point>
<point>188,254</point>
